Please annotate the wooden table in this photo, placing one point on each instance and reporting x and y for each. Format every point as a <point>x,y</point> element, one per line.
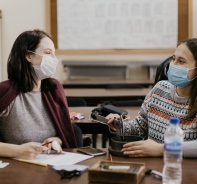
<point>99,95</point>
<point>105,83</point>
<point>22,173</point>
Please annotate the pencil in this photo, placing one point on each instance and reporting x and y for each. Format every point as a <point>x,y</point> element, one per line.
<point>47,143</point>
<point>32,162</point>
<point>110,156</point>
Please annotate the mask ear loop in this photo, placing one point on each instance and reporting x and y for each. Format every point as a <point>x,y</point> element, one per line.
<point>189,70</point>
<point>41,54</point>
<point>34,53</point>
<point>196,72</point>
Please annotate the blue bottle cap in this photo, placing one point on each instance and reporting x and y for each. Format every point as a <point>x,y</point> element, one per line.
<point>174,120</point>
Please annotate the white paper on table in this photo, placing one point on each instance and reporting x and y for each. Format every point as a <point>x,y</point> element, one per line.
<point>3,164</point>
<point>66,158</point>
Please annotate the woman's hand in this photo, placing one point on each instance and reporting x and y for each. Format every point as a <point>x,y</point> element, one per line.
<point>147,148</point>
<point>111,118</point>
<point>49,146</point>
<point>29,150</point>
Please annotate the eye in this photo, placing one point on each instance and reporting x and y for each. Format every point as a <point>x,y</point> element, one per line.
<point>47,52</point>
<point>181,61</point>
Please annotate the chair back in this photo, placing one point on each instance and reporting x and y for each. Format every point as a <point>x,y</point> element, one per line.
<point>82,140</point>
<point>78,135</point>
<point>128,103</point>
<point>162,69</point>
<point>76,102</point>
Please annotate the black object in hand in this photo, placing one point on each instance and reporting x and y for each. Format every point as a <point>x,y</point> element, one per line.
<point>68,174</point>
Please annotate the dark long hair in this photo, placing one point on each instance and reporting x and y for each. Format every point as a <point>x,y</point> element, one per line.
<point>18,68</point>
<point>191,43</point>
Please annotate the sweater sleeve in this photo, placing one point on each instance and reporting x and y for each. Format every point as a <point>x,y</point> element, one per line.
<point>58,108</point>
<point>190,149</point>
<point>7,110</point>
<point>8,92</point>
<point>139,125</point>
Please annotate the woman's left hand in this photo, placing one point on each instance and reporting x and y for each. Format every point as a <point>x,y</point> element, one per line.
<point>49,146</point>
<point>147,148</point>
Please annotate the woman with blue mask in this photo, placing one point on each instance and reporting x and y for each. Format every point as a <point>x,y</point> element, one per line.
<point>33,107</point>
<point>181,72</point>
<point>175,97</point>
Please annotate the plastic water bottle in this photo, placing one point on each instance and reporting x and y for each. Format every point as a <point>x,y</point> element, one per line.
<point>173,141</point>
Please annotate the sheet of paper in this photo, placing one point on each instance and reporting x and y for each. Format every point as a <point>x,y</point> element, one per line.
<point>121,24</point>
<point>3,164</point>
<point>66,158</point>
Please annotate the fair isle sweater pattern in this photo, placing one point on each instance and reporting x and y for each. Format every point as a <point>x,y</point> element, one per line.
<point>160,104</point>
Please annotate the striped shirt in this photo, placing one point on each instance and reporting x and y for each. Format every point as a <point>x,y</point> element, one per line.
<point>159,106</point>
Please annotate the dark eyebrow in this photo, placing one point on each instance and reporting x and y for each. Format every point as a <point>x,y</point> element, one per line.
<point>48,49</point>
<point>182,58</point>
<point>179,57</point>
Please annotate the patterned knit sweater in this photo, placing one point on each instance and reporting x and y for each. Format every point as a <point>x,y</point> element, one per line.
<point>160,104</point>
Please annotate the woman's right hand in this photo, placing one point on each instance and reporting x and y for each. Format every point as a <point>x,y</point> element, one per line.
<point>29,150</point>
<point>110,121</point>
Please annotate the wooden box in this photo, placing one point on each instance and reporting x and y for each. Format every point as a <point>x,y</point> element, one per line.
<point>116,172</point>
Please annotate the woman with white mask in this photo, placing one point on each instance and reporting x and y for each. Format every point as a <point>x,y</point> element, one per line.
<point>33,107</point>
<point>176,97</point>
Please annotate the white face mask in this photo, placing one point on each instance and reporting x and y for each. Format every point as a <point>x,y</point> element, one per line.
<point>47,67</point>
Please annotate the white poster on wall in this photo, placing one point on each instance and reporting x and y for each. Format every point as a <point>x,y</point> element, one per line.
<point>117,24</point>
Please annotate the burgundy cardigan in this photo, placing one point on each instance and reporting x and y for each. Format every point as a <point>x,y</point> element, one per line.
<point>57,106</point>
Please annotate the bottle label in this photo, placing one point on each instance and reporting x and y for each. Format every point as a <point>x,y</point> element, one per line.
<point>173,148</point>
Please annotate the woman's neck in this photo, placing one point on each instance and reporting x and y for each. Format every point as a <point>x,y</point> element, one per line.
<point>37,87</point>
<point>185,91</point>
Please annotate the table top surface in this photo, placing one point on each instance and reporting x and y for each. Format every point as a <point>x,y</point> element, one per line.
<point>111,62</point>
<point>102,92</point>
<point>23,173</point>
<point>104,83</point>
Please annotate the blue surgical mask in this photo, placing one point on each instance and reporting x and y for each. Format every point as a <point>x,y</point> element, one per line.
<point>177,75</point>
